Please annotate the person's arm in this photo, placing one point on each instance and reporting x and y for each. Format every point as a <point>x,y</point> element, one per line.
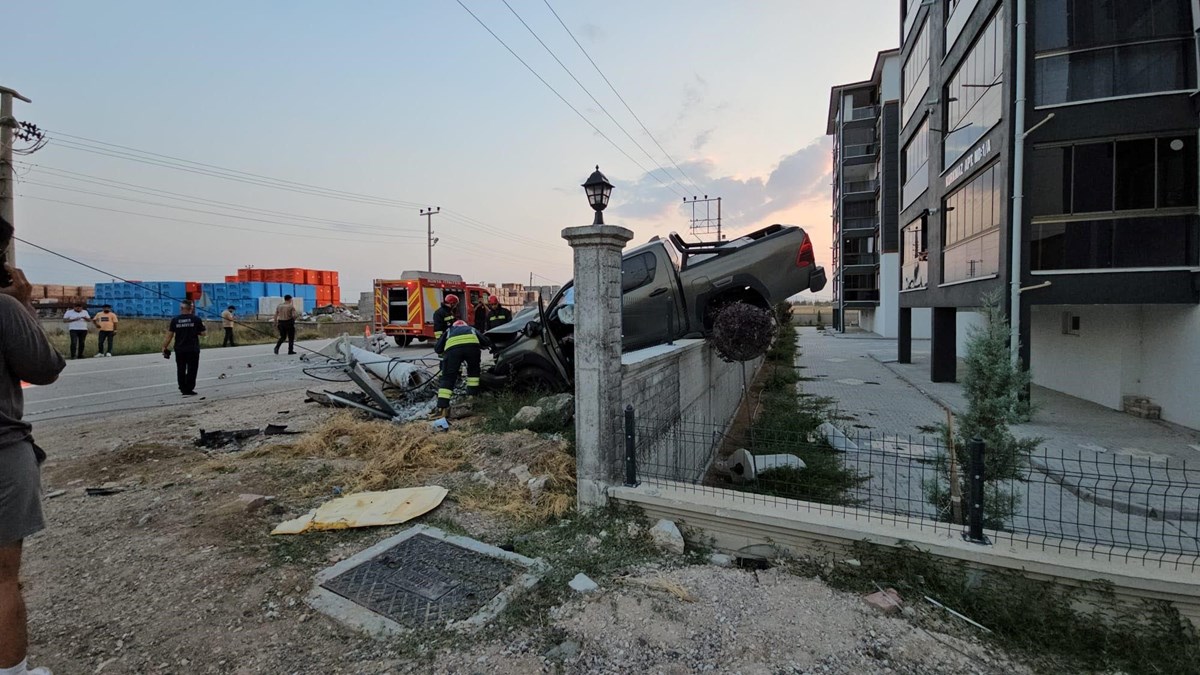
<point>66,318</point>
<point>202,330</point>
<point>167,339</point>
<point>440,346</point>
<point>28,354</point>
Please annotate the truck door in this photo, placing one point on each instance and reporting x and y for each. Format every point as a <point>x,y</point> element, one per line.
<point>649,297</point>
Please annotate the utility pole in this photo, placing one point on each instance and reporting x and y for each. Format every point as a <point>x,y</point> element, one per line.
<point>429,213</point>
<point>706,223</point>
<point>7,124</point>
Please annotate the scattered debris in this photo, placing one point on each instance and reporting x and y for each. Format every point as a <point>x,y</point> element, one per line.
<point>663,584</point>
<point>720,560</point>
<point>251,502</point>
<point>565,651</point>
<point>441,424</point>
<point>367,509</point>
<point>743,465</point>
<point>666,535</point>
<point>104,490</point>
<point>885,600</point>
<point>521,473</point>
<point>583,584</point>
<point>55,493</point>
<point>968,619</point>
<point>222,438</point>
<point>278,430</point>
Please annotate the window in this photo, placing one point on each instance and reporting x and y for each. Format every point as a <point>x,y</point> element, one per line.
<point>1116,243</point>
<point>916,76</point>
<point>1070,323</point>
<point>910,15</point>
<point>957,13</point>
<point>971,228</point>
<point>637,271</point>
<point>913,256</point>
<point>915,165</point>
<point>1094,49</point>
<point>974,101</point>
<point>1118,175</point>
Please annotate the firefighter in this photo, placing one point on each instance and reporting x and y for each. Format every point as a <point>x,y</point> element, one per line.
<point>444,315</point>
<point>460,343</point>
<point>498,314</point>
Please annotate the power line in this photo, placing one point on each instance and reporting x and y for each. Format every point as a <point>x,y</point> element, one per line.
<point>622,98</point>
<point>565,101</point>
<point>594,100</point>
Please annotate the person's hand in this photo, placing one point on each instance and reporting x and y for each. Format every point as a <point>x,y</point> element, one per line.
<point>20,289</point>
<point>166,353</point>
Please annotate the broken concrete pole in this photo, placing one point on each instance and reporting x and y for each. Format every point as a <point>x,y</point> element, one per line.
<point>666,535</point>
<point>599,437</point>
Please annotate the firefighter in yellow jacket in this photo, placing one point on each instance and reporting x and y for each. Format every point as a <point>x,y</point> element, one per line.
<point>458,344</point>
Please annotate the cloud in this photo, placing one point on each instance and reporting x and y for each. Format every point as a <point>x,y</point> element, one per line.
<point>801,176</point>
<point>701,139</point>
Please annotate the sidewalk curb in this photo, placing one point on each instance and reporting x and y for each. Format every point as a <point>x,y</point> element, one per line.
<point>945,405</point>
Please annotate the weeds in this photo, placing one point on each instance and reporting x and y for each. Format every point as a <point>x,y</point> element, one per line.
<point>1059,628</point>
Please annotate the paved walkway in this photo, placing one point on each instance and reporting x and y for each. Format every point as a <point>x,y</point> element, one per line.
<point>1100,476</point>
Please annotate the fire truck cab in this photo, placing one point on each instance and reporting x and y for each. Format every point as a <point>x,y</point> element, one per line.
<point>404,307</point>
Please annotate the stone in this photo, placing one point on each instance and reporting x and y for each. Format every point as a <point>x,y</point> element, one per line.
<point>251,502</point>
<point>565,651</point>
<point>582,584</point>
<point>521,473</point>
<point>559,406</point>
<point>144,519</point>
<point>720,560</point>
<point>482,477</point>
<point>667,536</point>
<point>536,486</point>
<point>886,601</point>
<point>526,416</point>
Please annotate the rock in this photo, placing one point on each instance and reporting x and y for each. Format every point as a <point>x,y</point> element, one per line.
<point>886,601</point>
<point>521,473</point>
<point>537,486</point>
<point>481,477</point>
<point>144,519</point>
<point>564,651</point>
<point>251,503</point>
<point>560,406</point>
<point>526,416</point>
<point>582,584</point>
<point>720,560</point>
<point>851,562</point>
<point>667,536</point>
<point>55,493</point>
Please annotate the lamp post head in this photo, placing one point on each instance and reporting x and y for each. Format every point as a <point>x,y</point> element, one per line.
<point>598,190</point>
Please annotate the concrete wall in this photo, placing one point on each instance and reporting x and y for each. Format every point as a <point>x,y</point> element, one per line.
<point>887,318</point>
<point>1121,350</point>
<point>683,397</point>
<point>965,323</point>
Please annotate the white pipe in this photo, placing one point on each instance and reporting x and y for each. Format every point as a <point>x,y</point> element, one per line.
<point>1014,314</point>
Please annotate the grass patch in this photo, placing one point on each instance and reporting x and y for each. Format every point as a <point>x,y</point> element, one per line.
<point>145,336</point>
<point>1059,629</point>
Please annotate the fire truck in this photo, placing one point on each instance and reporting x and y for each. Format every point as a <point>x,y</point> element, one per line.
<point>404,307</point>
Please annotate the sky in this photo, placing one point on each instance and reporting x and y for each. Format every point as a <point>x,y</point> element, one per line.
<point>343,120</point>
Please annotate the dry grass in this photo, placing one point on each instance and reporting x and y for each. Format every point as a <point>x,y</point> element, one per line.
<point>661,583</point>
<point>391,456</point>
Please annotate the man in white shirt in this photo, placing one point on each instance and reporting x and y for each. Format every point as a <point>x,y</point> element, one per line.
<point>77,320</point>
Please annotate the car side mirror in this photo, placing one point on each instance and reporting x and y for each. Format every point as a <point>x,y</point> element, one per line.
<point>533,329</point>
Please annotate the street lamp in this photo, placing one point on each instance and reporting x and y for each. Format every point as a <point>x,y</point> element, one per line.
<point>598,190</point>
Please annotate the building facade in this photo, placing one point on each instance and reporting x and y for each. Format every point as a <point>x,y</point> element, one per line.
<point>863,121</point>
<point>1091,198</point>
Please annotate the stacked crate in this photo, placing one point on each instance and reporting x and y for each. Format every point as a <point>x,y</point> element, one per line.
<point>325,281</point>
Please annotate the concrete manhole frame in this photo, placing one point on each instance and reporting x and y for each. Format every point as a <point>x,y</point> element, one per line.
<point>357,616</point>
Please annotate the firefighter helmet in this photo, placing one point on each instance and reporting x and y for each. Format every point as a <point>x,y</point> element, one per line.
<point>459,323</point>
<point>451,299</point>
<point>493,300</point>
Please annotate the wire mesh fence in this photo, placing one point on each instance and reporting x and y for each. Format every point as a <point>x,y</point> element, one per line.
<point>1090,503</point>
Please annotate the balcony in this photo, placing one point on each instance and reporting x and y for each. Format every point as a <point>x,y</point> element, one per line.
<point>861,224</point>
<point>859,151</point>
<point>860,259</point>
<point>867,112</point>
<point>861,186</point>
<point>860,297</point>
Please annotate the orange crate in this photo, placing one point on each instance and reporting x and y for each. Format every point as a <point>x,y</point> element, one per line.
<point>332,278</point>
<point>257,275</point>
<point>295,275</point>
<point>232,279</point>
<point>312,277</point>
<point>243,274</point>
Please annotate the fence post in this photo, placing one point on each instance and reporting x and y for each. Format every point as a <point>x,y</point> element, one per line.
<point>975,514</point>
<point>631,479</point>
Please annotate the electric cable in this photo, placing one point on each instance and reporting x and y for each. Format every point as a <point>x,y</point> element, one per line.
<point>564,100</point>
<point>622,98</point>
<point>595,100</point>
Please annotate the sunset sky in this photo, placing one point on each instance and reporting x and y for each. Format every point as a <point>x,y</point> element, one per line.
<point>371,110</point>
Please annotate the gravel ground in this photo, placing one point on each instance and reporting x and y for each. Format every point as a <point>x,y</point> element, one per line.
<point>170,577</point>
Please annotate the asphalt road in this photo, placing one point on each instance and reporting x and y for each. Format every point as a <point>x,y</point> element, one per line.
<point>98,386</point>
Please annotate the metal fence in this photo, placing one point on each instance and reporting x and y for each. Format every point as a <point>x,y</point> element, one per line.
<point>1095,504</point>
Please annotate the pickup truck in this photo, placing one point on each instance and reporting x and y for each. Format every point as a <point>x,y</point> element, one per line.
<point>670,289</point>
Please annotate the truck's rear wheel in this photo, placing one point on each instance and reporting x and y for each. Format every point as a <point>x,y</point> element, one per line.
<point>403,340</point>
<point>535,379</point>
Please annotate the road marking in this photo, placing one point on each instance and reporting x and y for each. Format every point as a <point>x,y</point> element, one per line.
<point>150,386</point>
<point>156,365</point>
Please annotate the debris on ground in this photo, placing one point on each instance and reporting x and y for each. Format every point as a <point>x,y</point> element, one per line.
<point>666,535</point>
<point>551,411</point>
<point>221,438</point>
<point>720,560</point>
<point>367,509</point>
<point>581,583</point>
<point>743,465</point>
<point>104,490</point>
<point>886,600</point>
<point>661,583</point>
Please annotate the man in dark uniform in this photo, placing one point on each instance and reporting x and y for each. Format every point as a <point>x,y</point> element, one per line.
<point>498,314</point>
<point>444,315</point>
<point>460,343</point>
<point>480,316</point>
<point>186,330</point>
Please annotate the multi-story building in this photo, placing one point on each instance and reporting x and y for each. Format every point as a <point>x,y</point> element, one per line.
<point>864,121</point>
<point>1067,127</point>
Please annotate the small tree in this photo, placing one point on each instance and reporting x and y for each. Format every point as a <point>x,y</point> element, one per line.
<point>994,388</point>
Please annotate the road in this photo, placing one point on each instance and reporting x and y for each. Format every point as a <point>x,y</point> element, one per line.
<point>120,383</point>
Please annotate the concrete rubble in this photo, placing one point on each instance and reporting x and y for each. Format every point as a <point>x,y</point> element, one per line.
<point>666,535</point>
<point>581,583</point>
<point>887,601</point>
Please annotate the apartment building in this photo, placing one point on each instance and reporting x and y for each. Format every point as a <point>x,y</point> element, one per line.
<point>1054,143</point>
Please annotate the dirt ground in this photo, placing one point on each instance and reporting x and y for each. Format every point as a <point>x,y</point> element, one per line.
<point>174,575</point>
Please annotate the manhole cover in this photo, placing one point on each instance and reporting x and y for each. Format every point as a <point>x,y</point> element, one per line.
<point>422,578</point>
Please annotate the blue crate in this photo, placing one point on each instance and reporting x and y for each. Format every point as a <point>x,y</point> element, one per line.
<point>306,291</point>
<point>254,289</point>
<point>287,289</point>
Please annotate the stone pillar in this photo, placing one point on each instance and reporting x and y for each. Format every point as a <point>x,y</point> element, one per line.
<point>943,358</point>
<point>599,436</point>
<point>904,336</point>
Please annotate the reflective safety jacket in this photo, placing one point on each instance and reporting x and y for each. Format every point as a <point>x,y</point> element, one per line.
<point>460,336</point>
<point>442,318</point>
<point>498,317</point>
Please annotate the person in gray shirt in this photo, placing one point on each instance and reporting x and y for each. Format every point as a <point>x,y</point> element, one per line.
<point>26,356</point>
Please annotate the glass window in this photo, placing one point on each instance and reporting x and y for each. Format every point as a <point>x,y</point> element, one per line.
<point>916,75</point>
<point>637,271</point>
<point>1127,49</point>
<point>913,258</point>
<point>915,165</point>
<point>1094,177</point>
<point>1147,241</point>
<point>972,228</point>
<point>1177,171</point>
<point>974,101</point>
<point>1134,174</point>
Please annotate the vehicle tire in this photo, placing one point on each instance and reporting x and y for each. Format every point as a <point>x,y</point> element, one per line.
<point>423,339</point>
<point>742,331</point>
<point>403,340</point>
<point>535,379</point>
